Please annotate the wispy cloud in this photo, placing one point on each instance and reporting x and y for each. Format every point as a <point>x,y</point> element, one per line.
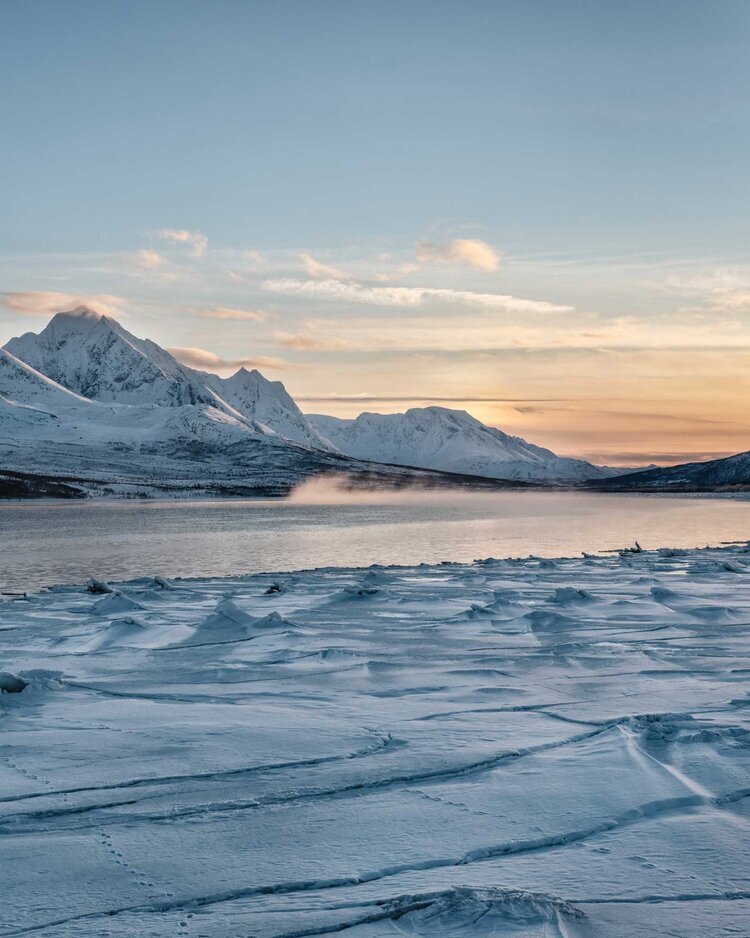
<point>204,360</point>
<point>407,296</point>
<point>46,303</point>
<point>222,312</point>
<point>474,253</point>
<point>304,342</point>
<point>196,241</point>
<point>401,399</point>
<point>722,289</point>
<point>151,260</point>
<point>319,270</point>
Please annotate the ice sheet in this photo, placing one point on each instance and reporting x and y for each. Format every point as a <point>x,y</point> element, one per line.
<point>509,747</point>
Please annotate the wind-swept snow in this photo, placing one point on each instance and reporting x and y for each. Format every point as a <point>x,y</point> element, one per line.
<point>509,747</point>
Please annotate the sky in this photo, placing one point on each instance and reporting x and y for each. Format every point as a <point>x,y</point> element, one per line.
<point>533,210</point>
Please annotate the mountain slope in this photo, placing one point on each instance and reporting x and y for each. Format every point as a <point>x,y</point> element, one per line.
<point>269,404</point>
<point>22,383</point>
<point>727,473</point>
<point>97,358</point>
<point>233,436</point>
<point>453,441</point>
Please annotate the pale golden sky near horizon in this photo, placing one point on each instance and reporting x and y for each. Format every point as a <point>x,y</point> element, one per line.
<point>652,365</point>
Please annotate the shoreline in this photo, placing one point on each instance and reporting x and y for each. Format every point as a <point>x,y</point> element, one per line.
<point>517,562</point>
<point>437,492</point>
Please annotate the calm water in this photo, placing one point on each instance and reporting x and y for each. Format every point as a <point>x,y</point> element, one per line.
<point>64,542</point>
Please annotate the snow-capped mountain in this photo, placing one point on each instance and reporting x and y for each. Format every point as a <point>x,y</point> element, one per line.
<point>270,405</point>
<point>452,441</point>
<point>85,398</point>
<point>114,414</point>
<point>97,358</point>
<point>33,407</point>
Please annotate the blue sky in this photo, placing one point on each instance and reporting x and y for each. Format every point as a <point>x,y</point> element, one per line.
<point>597,149</point>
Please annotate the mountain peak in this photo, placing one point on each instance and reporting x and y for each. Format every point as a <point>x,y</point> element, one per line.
<point>450,440</point>
<point>80,315</point>
<point>85,312</point>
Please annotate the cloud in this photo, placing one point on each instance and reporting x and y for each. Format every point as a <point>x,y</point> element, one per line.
<point>151,260</point>
<point>204,360</point>
<point>195,240</point>
<point>477,254</point>
<point>222,312</point>
<point>722,290</point>
<point>309,342</point>
<point>255,258</point>
<point>321,271</point>
<point>45,303</point>
<point>401,399</point>
<point>407,296</point>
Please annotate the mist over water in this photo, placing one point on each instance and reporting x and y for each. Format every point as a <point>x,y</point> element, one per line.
<point>335,490</point>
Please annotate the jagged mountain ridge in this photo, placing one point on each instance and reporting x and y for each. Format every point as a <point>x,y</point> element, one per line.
<point>97,358</point>
<point>453,441</point>
<point>85,381</point>
<point>270,405</point>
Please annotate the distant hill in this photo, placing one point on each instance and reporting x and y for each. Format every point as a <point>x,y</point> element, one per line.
<point>732,472</point>
<point>453,441</point>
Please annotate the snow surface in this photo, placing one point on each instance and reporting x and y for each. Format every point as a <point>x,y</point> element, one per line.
<point>509,747</point>
<point>454,441</point>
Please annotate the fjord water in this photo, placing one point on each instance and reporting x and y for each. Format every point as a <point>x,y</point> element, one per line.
<point>47,543</point>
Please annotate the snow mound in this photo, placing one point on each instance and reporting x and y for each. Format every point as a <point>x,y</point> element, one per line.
<point>570,596</point>
<point>36,682</point>
<point>11,683</point>
<point>98,586</point>
<point>662,729</point>
<point>225,624</point>
<point>118,632</point>
<point>550,621</point>
<point>272,621</point>
<point>483,912</point>
<point>665,596</point>
<point>358,594</point>
<point>113,603</point>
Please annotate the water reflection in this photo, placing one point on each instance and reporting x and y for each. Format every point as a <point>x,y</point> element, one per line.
<point>66,542</point>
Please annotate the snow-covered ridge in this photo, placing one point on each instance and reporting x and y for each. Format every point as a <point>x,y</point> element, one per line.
<point>453,441</point>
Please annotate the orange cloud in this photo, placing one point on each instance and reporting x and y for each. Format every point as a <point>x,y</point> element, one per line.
<point>46,303</point>
<point>222,312</point>
<point>469,251</point>
<point>203,360</point>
